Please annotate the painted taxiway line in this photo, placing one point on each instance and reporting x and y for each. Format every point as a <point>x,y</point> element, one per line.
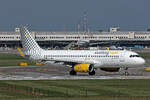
<point>67,77</point>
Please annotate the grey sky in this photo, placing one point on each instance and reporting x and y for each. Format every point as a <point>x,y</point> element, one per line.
<point>53,15</point>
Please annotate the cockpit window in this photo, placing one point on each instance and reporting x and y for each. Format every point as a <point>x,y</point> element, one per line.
<point>134,56</point>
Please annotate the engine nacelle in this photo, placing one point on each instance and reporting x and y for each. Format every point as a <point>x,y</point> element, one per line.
<point>83,68</point>
<point>110,69</point>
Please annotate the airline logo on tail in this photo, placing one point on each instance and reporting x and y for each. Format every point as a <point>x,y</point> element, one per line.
<point>26,35</point>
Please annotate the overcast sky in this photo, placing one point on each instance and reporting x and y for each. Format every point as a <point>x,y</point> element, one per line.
<point>54,15</point>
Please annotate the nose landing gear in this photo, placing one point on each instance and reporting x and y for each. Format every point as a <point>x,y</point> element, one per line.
<point>126,72</point>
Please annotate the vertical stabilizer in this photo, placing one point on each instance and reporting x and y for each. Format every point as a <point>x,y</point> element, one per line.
<point>31,49</point>
<point>28,41</point>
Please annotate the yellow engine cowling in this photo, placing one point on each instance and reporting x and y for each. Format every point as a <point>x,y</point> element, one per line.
<point>82,68</point>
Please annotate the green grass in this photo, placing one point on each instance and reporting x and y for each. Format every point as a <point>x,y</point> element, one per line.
<point>77,89</point>
<point>12,60</point>
<point>145,55</point>
<point>6,56</point>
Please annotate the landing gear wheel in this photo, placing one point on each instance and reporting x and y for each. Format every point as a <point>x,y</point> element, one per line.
<point>92,73</point>
<point>72,72</point>
<point>126,73</point>
<point>126,68</point>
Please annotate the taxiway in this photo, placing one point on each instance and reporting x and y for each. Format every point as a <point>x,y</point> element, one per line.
<point>59,72</point>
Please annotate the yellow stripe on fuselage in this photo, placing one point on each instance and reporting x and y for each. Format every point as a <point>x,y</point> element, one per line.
<point>113,52</point>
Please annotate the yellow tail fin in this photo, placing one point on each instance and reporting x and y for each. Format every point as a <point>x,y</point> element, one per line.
<point>20,52</point>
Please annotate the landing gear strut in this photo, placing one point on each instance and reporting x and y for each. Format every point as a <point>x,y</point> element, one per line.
<point>126,72</point>
<point>72,72</point>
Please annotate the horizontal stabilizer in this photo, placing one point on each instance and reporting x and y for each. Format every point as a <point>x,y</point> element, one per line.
<point>20,52</point>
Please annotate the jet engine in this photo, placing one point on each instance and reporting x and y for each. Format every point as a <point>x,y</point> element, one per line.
<point>110,69</point>
<point>83,68</point>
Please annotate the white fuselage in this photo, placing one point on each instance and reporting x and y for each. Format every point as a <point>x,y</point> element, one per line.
<point>100,58</point>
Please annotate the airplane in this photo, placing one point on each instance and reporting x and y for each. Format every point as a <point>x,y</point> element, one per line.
<point>85,61</point>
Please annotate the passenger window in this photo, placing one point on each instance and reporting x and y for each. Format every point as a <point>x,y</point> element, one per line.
<point>131,56</point>
<point>134,56</point>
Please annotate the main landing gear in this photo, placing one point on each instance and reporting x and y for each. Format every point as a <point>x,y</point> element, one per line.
<point>92,73</point>
<point>72,72</point>
<point>126,72</point>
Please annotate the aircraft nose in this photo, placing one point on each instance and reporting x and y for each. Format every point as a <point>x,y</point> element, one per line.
<point>141,61</point>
